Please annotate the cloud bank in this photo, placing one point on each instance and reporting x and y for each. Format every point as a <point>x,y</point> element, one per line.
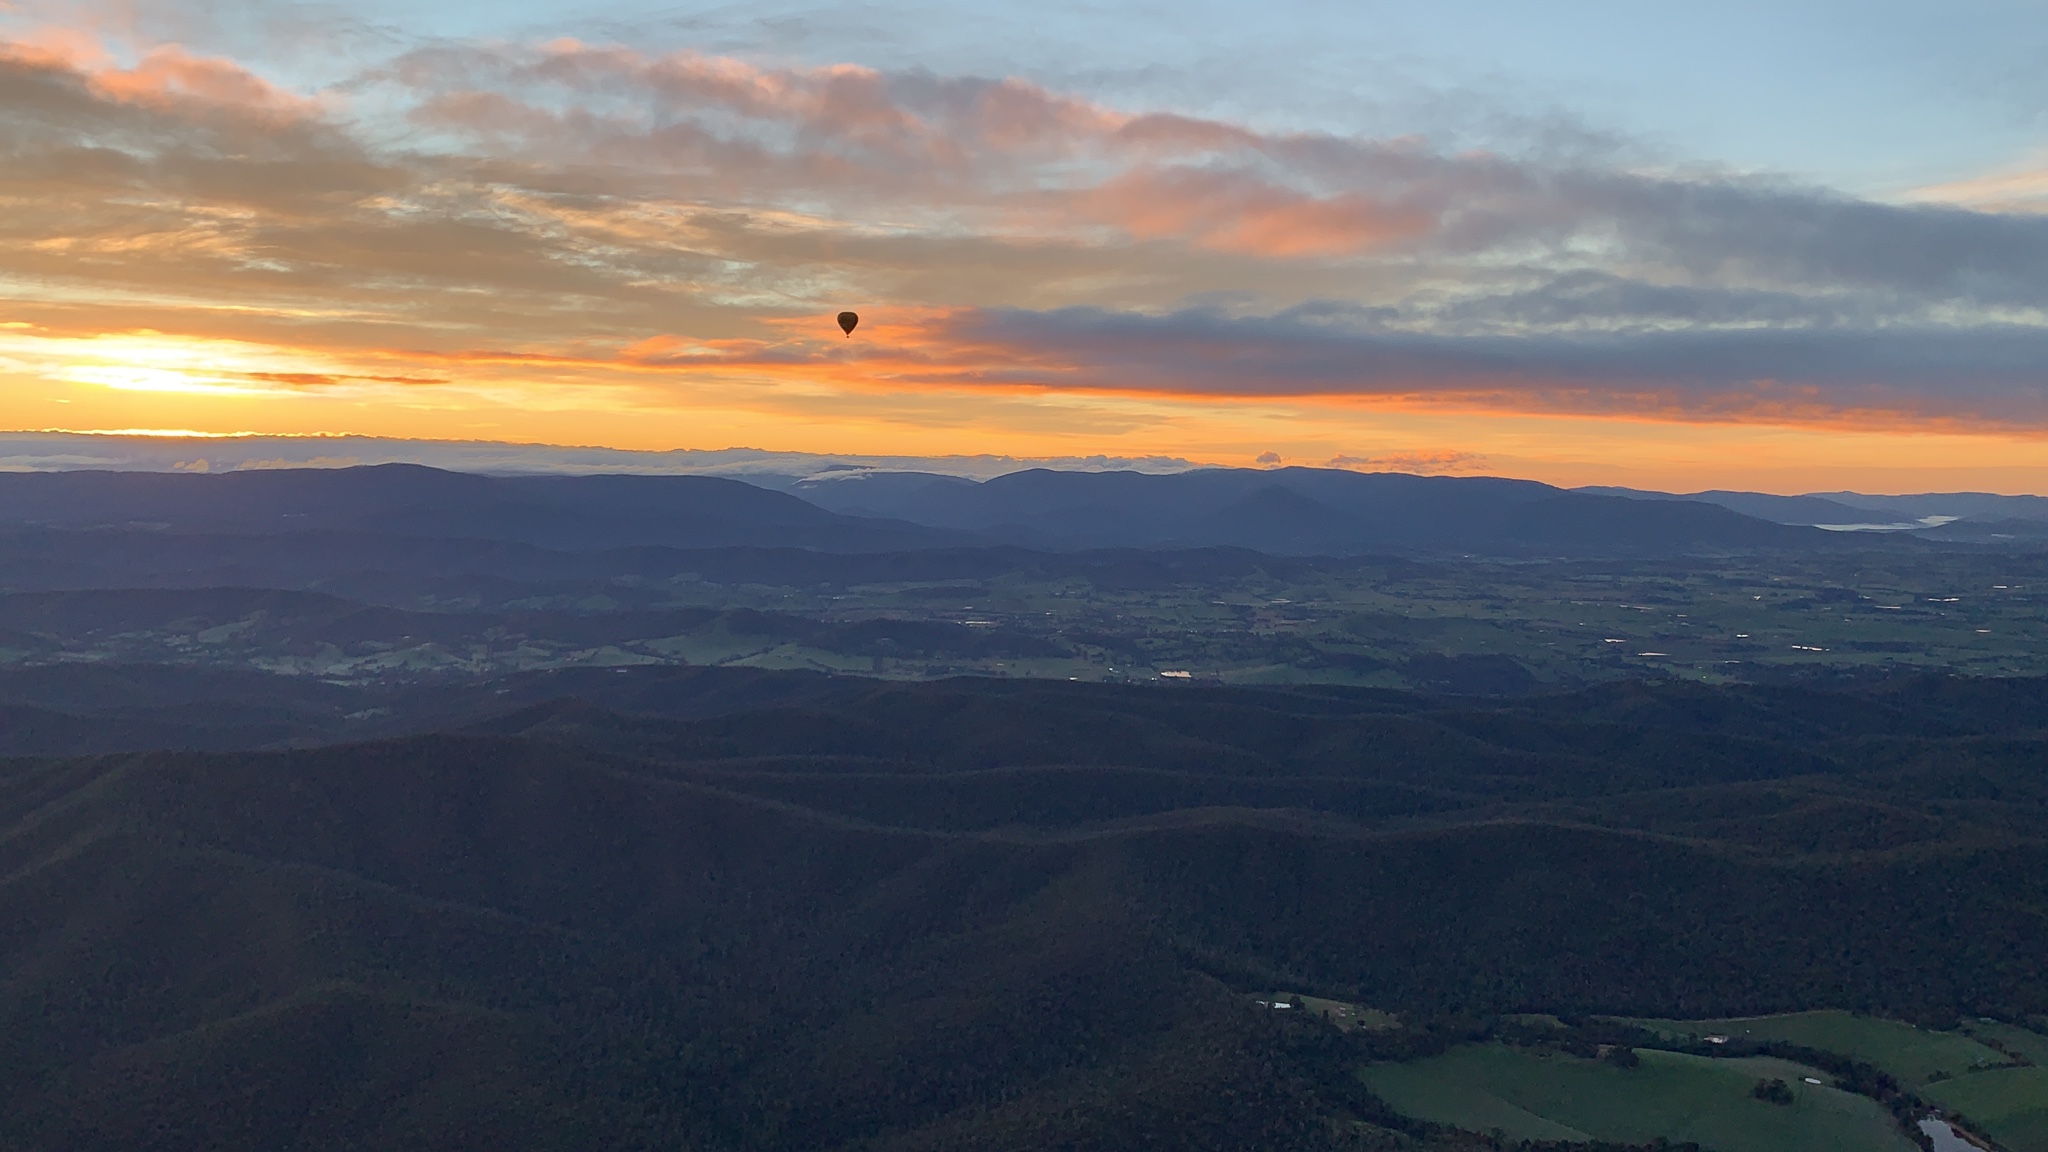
<point>67,452</point>
<point>561,216</point>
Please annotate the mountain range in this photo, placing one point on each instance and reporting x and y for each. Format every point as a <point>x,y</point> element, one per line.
<point>396,808</point>
<point>413,502</point>
<point>1289,511</point>
<point>1295,510</point>
<point>1960,516</point>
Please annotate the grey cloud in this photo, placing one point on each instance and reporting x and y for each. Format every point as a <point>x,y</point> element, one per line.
<point>1587,298</point>
<point>962,144</point>
<point>1985,373</point>
<point>1564,283</point>
<point>1759,232</point>
<point>58,452</point>
<point>192,203</point>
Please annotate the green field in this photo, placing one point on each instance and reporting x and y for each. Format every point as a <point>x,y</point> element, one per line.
<point>2032,1045</point>
<point>1913,1055</point>
<point>1953,1069</point>
<point>2008,1104</point>
<point>1536,1095</point>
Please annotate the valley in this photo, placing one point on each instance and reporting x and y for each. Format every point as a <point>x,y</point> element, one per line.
<point>1472,626</point>
<point>735,908</point>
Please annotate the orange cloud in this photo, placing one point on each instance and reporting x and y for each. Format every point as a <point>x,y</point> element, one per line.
<point>2025,190</point>
<point>1431,462</point>
<point>595,242</point>
<point>1236,212</point>
<point>56,48</point>
<point>167,77</point>
<point>909,391</point>
<point>170,74</point>
<point>966,352</point>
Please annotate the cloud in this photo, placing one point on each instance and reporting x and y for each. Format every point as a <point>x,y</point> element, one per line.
<point>171,451</point>
<point>169,76</point>
<point>1980,374</point>
<point>1589,299</point>
<point>1976,376</point>
<point>2021,191</point>
<point>983,150</point>
<point>1233,211</point>
<point>166,78</point>
<point>1424,462</point>
<point>561,213</point>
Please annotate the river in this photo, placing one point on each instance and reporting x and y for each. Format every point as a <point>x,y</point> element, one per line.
<point>1945,1138</point>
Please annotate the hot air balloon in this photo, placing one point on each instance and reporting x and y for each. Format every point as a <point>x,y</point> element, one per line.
<point>847,320</point>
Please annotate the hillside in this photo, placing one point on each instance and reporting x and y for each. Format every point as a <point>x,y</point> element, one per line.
<point>749,910</point>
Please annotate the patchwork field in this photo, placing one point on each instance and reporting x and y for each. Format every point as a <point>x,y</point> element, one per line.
<point>2032,1045</point>
<point>2008,1104</point>
<point>1961,1071</point>
<point>1913,1055</point>
<point>1470,627</point>
<point>1533,1095</point>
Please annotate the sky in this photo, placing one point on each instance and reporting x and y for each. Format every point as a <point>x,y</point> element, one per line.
<point>1785,247</point>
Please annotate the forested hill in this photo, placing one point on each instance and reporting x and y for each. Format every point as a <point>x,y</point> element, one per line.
<point>742,910</point>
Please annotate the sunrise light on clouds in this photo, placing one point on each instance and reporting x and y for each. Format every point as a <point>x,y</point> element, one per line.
<point>550,231</point>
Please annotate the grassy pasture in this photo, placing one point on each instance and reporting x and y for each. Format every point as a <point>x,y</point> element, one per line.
<point>1913,1055</point>
<point>1550,1096</point>
<point>1953,1069</point>
<point>2032,1045</point>
<point>2008,1104</point>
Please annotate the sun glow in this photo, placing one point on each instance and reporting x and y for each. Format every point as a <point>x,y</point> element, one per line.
<point>152,433</point>
<point>132,378</point>
<point>154,362</point>
<point>648,396</point>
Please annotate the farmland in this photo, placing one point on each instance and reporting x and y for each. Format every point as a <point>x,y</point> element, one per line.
<point>1469,627</point>
<point>1914,1055</point>
<point>1984,1072</point>
<point>2008,1104</point>
<point>1541,1095</point>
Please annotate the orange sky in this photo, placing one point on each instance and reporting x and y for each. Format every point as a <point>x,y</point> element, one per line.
<point>536,258</point>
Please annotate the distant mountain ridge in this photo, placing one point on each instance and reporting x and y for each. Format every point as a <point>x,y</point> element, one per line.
<point>560,512</point>
<point>1280,511</point>
<point>1297,511</point>
<point>1922,512</point>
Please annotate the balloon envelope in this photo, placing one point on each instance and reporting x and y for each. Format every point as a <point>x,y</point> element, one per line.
<point>847,320</point>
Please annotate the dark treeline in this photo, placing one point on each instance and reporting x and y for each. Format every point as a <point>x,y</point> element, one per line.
<point>739,910</point>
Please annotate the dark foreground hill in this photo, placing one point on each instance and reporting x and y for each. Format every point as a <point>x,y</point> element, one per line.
<point>738,910</point>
